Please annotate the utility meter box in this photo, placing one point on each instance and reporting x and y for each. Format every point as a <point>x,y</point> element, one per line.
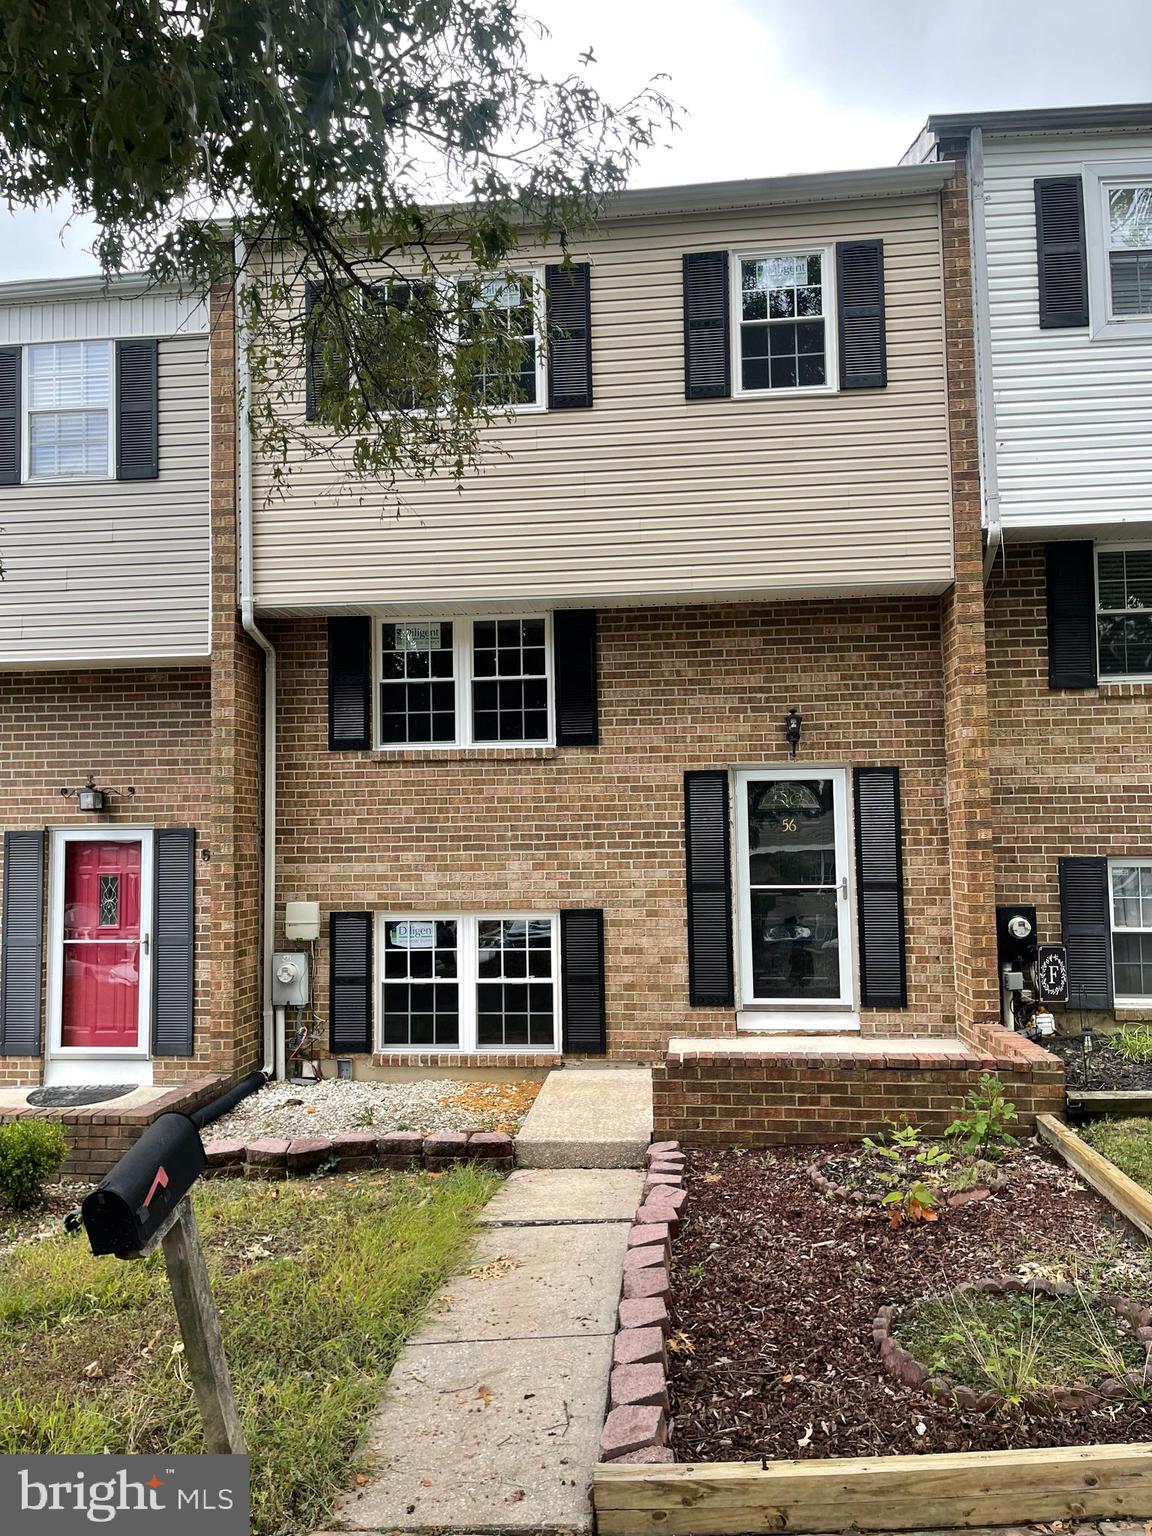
<point>302,919</point>
<point>289,980</point>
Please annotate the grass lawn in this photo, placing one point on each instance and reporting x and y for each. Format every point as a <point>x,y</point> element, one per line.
<point>1127,1143</point>
<point>319,1282</point>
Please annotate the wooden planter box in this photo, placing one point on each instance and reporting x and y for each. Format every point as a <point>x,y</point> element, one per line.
<point>896,1493</point>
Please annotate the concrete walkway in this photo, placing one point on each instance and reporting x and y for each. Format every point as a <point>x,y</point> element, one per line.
<point>588,1117</point>
<point>491,1419</point>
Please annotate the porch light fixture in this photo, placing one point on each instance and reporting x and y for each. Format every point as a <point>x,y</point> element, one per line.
<point>793,725</point>
<point>89,798</point>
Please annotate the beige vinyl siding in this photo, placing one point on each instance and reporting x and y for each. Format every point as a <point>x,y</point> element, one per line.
<point>111,570</point>
<point>1073,414</point>
<point>647,496</point>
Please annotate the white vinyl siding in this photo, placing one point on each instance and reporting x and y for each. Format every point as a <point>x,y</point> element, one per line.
<point>647,496</point>
<point>1073,411</point>
<point>110,570</point>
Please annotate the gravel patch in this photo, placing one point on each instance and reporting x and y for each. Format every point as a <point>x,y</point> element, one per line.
<point>426,1104</point>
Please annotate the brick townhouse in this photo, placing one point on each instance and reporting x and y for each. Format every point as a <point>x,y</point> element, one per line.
<point>131,951</point>
<point>1061,239</point>
<point>667,738</point>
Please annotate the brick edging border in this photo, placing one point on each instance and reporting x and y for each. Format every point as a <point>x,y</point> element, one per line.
<point>270,1157</point>
<point>636,1424</point>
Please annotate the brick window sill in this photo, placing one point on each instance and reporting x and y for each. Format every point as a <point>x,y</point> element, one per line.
<point>464,754</point>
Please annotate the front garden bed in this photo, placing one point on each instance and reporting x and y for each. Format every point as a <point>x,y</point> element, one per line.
<point>1120,1061</point>
<point>776,1290</point>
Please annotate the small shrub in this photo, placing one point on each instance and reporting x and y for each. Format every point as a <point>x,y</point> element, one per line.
<point>31,1151</point>
<point>1133,1042</point>
<point>983,1131</point>
<point>910,1168</point>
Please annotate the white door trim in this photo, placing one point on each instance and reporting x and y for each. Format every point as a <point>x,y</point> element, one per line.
<point>85,1063</point>
<point>794,1013</point>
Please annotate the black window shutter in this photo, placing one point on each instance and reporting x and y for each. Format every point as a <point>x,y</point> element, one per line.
<point>325,356</point>
<point>1061,252</point>
<point>1087,931</point>
<point>574,644</point>
<point>23,938</point>
<point>707,844</point>
<point>10,415</point>
<point>350,982</point>
<point>860,300</point>
<point>1070,583</point>
<point>880,888</point>
<point>137,410</point>
<point>568,293</point>
<point>349,684</point>
<point>582,980</point>
<point>173,940</point>
<point>707,352</point>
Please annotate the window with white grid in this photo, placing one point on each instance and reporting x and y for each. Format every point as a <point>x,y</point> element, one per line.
<point>68,410</point>
<point>465,682</point>
<point>1131,886</point>
<point>469,981</point>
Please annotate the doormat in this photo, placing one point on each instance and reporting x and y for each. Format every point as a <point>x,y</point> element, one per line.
<point>77,1098</point>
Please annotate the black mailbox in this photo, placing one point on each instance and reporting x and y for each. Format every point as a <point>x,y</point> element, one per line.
<point>146,1185</point>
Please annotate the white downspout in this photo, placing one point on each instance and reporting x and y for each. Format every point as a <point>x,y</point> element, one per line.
<point>273,1036</point>
<point>982,332</point>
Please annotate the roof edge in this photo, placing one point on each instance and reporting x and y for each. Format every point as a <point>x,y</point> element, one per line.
<point>1041,119</point>
<point>93,285</point>
<point>818,186</point>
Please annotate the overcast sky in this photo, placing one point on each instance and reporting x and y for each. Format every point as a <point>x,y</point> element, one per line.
<point>770,87</point>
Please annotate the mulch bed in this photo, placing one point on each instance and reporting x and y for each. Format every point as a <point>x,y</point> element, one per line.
<point>1109,1070</point>
<point>775,1289</point>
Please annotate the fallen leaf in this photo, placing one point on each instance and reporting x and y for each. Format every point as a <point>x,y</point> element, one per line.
<point>94,1370</point>
<point>360,1478</point>
<point>484,1394</point>
<point>425,1482</point>
<point>806,1437</point>
<point>681,1344</point>
<point>494,1268</point>
<point>712,1178</point>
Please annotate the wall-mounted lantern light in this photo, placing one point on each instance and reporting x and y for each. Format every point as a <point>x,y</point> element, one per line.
<point>89,798</point>
<point>793,725</point>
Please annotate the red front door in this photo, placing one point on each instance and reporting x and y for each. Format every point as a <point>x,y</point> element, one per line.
<point>101,994</point>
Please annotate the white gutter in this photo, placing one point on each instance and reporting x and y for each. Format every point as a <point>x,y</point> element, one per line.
<point>273,1037</point>
<point>982,336</point>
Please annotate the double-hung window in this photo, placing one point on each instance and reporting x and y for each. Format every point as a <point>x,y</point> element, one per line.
<point>1124,611</point>
<point>465,682</point>
<point>510,373</point>
<point>783,304</point>
<point>486,982</point>
<point>1128,242</point>
<point>68,410</point>
<point>1131,889</point>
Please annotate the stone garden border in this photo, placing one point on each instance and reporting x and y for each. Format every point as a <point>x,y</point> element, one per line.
<point>902,1364</point>
<point>270,1157</point>
<point>636,1490</point>
<point>846,1192</point>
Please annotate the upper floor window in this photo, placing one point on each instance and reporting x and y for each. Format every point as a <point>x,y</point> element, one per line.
<point>1124,611</point>
<point>783,304</point>
<point>507,367</point>
<point>1128,236</point>
<point>68,406</point>
<point>465,682</point>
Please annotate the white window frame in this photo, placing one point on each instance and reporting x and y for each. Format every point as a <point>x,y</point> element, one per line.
<point>1098,181</point>
<point>463,626</point>
<point>754,1012</point>
<point>27,411</point>
<point>1124,1000</point>
<point>1105,678</point>
<point>827,254</point>
<point>467,961</point>
<point>535,276</point>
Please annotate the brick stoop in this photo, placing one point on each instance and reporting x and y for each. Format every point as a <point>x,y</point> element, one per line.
<point>98,1137</point>
<point>769,1096</point>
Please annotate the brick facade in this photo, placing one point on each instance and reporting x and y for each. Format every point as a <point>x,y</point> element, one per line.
<point>714,1098</point>
<point>680,689</point>
<point>1071,770</point>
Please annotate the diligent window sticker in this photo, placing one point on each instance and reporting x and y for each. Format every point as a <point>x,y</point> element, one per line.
<point>411,935</point>
<point>61,1495</point>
